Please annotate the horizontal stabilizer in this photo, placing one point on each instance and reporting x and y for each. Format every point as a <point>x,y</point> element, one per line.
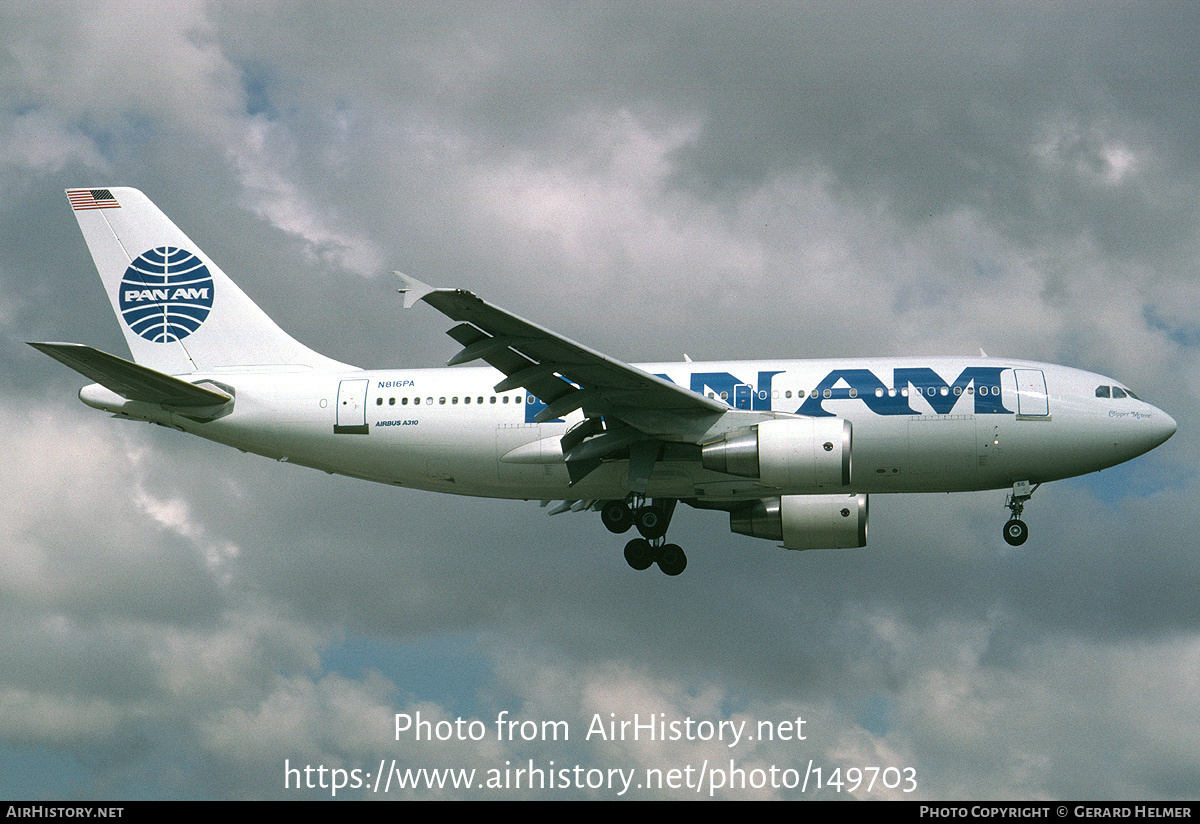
<point>130,380</point>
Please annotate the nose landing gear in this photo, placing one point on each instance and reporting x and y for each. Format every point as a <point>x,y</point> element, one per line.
<point>1016,531</point>
<point>651,520</point>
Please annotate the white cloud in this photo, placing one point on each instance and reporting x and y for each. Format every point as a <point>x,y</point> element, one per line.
<point>1092,153</point>
<point>262,158</point>
<point>40,141</point>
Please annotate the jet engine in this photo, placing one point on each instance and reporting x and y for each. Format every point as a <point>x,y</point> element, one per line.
<point>789,453</point>
<point>805,521</point>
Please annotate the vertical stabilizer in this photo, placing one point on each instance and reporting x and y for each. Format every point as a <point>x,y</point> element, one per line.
<point>179,312</point>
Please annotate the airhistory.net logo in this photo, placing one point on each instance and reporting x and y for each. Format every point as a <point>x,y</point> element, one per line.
<point>166,294</point>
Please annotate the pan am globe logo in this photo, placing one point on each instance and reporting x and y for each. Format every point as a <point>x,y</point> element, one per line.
<point>166,294</point>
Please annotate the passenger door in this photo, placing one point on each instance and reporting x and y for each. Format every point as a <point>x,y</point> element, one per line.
<point>1032,400</point>
<point>352,407</point>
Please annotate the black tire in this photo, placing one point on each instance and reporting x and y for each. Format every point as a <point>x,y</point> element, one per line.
<point>1016,532</point>
<point>650,522</point>
<point>671,559</point>
<point>617,517</point>
<point>639,554</point>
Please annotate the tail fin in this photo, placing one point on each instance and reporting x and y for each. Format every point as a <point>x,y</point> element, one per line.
<point>179,312</point>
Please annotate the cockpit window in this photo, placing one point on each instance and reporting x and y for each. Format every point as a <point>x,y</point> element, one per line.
<point>1115,392</point>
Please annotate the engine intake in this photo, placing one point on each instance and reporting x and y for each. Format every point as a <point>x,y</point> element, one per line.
<point>805,521</point>
<point>789,453</point>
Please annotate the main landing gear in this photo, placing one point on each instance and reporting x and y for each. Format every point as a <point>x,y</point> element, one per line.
<point>651,520</point>
<point>1016,531</point>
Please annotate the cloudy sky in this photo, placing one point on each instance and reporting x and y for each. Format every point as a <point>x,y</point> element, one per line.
<point>181,620</point>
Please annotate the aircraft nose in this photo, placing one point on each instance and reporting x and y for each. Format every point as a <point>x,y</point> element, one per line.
<point>1162,427</point>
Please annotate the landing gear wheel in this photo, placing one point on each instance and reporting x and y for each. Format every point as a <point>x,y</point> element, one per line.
<point>650,522</point>
<point>671,559</point>
<point>639,554</point>
<point>617,517</point>
<point>1016,532</point>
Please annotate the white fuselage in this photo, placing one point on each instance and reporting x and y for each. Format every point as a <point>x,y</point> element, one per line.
<point>919,425</point>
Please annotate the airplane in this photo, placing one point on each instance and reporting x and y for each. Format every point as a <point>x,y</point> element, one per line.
<point>789,449</point>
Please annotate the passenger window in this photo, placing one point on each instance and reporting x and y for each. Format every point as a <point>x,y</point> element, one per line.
<point>379,401</point>
<point>391,401</point>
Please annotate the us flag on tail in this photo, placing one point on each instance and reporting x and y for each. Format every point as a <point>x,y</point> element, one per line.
<point>92,199</point>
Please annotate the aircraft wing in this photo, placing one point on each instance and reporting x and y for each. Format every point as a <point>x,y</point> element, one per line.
<point>133,381</point>
<point>563,374</point>
<point>624,407</point>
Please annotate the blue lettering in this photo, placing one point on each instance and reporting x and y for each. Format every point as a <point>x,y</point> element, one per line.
<point>734,390</point>
<point>850,384</point>
<point>532,407</point>
<point>884,400</point>
<point>722,384</point>
<point>855,383</point>
<point>762,398</point>
<point>942,397</point>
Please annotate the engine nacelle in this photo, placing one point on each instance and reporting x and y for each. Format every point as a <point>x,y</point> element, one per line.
<point>789,453</point>
<point>805,521</point>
